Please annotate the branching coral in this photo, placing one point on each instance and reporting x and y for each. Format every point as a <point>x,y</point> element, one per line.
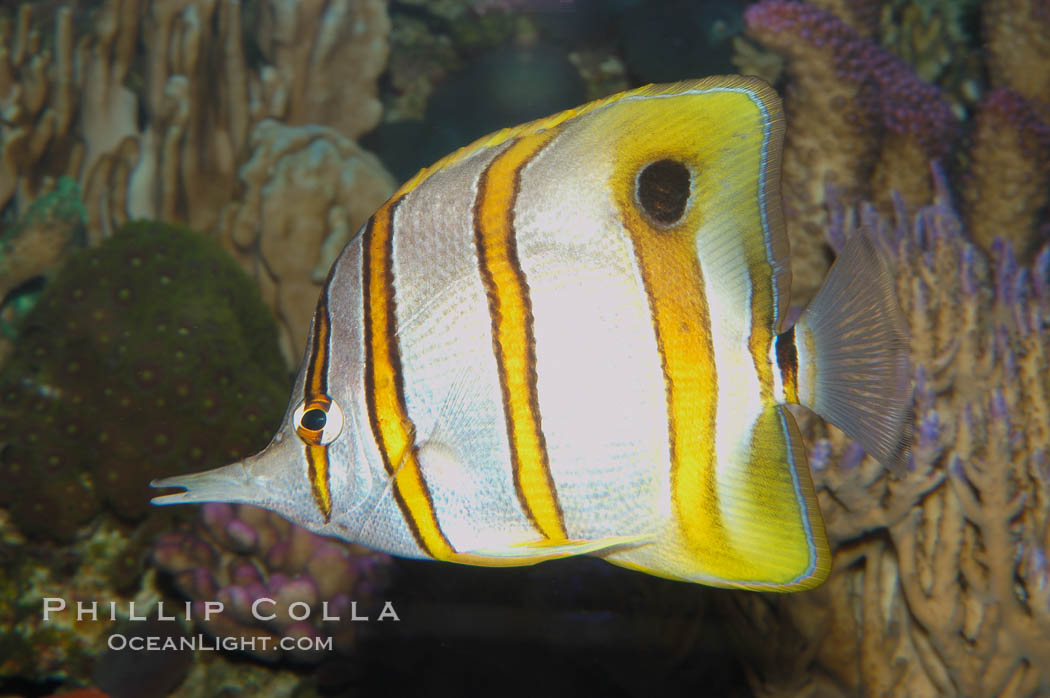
<point>37,105</point>
<point>162,126</point>
<point>1007,188</point>
<point>160,133</point>
<point>859,121</point>
<point>862,123</point>
<point>1017,34</point>
<point>940,583</point>
<point>936,38</point>
<point>259,566</point>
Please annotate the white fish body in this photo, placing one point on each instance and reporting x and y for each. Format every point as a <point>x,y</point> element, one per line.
<point>563,339</point>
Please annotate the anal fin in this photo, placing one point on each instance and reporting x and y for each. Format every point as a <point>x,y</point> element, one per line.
<point>532,552</point>
<point>769,512</point>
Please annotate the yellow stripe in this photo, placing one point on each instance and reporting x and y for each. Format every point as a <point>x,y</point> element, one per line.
<point>316,390</point>
<point>384,392</point>
<point>317,373</point>
<point>317,458</point>
<point>761,340</point>
<point>670,269</point>
<point>512,331</point>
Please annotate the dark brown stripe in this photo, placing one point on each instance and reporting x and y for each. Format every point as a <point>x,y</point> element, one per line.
<point>316,383</point>
<point>315,389</point>
<point>787,360</point>
<point>513,338</point>
<point>390,420</point>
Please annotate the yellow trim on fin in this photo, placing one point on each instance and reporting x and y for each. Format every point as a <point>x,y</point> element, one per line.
<point>532,552</point>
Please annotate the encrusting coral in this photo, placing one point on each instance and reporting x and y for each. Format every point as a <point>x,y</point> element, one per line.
<point>275,579</point>
<point>148,355</point>
<point>941,580</point>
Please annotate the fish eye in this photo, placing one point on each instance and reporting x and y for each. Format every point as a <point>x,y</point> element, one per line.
<point>662,189</point>
<point>318,421</point>
<point>314,419</point>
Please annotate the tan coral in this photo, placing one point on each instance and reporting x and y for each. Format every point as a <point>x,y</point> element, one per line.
<point>307,189</point>
<point>1007,187</point>
<point>934,38</point>
<point>327,55</point>
<point>860,125</point>
<point>1017,36</point>
<point>37,107</point>
<point>161,133</point>
<point>750,59</point>
<point>941,584</point>
<point>831,142</point>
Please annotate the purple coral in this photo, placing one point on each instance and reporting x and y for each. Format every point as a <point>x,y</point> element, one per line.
<point>274,579</point>
<point>904,104</point>
<point>1004,108</point>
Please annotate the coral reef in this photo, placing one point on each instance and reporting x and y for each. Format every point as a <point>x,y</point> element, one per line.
<point>305,191</point>
<point>860,122</point>
<point>940,583</point>
<point>239,554</point>
<point>864,125</point>
<point>31,249</point>
<point>155,107</point>
<point>90,569</point>
<point>937,39</point>
<point>1017,35</point>
<point>159,133</point>
<point>1006,190</point>
<point>51,228</point>
<point>140,348</point>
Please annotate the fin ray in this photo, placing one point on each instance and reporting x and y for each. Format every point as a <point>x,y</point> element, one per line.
<point>770,512</point>
<point>852,344</point>
<point>770,535</point>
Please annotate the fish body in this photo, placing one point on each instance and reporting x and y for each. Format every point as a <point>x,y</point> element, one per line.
<point>569,338</point>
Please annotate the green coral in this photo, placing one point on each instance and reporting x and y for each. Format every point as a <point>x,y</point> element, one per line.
<point>63,203</point>
<point>149,355</point>
<point>52,226</point>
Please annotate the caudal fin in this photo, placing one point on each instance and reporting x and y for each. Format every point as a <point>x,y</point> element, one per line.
<point>852,349</point>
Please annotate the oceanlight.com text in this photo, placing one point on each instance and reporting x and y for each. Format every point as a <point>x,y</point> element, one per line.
<point>260,643</point>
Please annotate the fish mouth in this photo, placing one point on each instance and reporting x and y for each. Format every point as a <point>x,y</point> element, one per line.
<point>230,483</point>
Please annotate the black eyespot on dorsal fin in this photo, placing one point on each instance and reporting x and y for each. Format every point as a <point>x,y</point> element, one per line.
<point>663,190</point>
